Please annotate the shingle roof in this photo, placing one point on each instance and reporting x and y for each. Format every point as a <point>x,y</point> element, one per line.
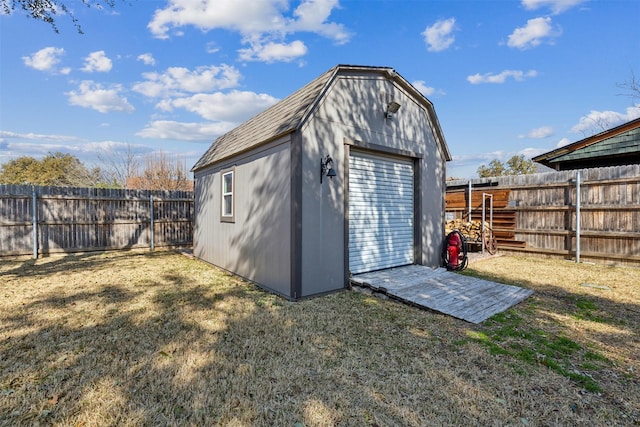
<point>288,115</point>
<point>619,141</point>
<point>277,120</point>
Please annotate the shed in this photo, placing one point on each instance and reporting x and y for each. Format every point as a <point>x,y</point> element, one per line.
<point>617,146</point>
<point>344,176</point>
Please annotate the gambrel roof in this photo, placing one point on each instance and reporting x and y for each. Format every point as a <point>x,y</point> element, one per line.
<point>617,146</point>
<point>289,114</point>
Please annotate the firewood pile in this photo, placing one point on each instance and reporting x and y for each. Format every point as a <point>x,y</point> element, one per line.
<point>471,230</point>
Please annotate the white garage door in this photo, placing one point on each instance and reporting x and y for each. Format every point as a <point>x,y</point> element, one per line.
<point>380,212</point>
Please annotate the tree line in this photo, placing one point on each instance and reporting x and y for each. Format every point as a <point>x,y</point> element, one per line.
<point>516,165</point>
<point>126,170</point>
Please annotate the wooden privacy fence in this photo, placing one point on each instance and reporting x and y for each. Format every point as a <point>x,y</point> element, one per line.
<point>592,214</point>
<point>44,220</point>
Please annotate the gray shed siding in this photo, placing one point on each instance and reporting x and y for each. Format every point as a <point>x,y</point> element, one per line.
<point>257,245</point>
<point>352,112</point>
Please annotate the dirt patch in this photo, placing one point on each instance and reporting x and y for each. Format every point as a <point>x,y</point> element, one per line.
<point>163,339</point>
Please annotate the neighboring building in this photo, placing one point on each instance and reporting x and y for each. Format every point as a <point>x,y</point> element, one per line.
<point>614,147</point>
<point>265,210</point>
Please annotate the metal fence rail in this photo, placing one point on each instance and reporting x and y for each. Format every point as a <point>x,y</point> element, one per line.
<point>44,220</point>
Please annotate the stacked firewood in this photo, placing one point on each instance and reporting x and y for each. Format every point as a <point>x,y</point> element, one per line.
<point>471,230</point>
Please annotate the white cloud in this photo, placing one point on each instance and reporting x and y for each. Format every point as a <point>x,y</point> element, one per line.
<point>268,21</point>
<point>538,133</point>
<point>502,77</point>
<point>530,153</point>
<point>212,47</point>
<point>439,36</point>
<point>94,95</point>
<point>147,59</point>
<point>273,52</point>
<point>36,136</point>
<point>312,16</point>
<point>499,155</point>
<point>235,106</point>
<point>97,61</point>
<point>556,6</point>
<point>532,34</point>
<point>45,59</point>
<point>176,81</point>
<point>37,145</point>
<point>423,88</point>
<point>563,142</point>
<point>599,121</point>
<point>165,129</point>
<point>102,147</point>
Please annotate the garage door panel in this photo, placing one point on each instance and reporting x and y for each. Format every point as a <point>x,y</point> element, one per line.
<point>382,262</point>
<point>365,180</point>
<point>371,216</point>
<point>380,212</point>
<point>391,253</point>
<point>371,232</point>
<point>384,198</point>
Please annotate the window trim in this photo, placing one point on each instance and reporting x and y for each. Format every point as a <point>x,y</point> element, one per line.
<point>223,216</point>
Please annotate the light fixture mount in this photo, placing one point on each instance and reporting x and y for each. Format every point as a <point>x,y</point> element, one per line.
<point>392,108</point>
<point>326,167</point>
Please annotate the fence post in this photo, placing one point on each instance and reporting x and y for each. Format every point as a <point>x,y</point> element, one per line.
<point>578,217</point>
<point>484,216</point>
<point>151,226</point>
<point>469,216</point>
<point>34,207</point>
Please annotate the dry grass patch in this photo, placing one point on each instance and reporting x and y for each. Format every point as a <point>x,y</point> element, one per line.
<point>161,339</point>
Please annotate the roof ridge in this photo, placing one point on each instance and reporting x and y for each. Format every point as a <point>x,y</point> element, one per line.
<point>292,112</point>
<point>289,119</point>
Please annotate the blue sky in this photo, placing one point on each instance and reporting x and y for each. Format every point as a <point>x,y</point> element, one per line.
<point>506,77</point>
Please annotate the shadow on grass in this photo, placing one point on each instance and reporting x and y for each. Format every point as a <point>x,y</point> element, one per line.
<point>68,263</point>
<point>200,347</point>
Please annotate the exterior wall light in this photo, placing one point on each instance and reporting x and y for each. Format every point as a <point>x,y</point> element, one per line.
<point>326,168</point>
<point>392,108</point>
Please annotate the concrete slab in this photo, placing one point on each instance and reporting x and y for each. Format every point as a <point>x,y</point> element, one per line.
<point>463,297</point>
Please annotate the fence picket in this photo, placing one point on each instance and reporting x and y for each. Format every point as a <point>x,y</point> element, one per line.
<point>545,206</point>
<point>82,219</point>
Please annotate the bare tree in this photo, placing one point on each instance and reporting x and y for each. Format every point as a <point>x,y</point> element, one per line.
<point>599,124</point>
<point>162,172</point>
<point>595,123</point>
<point>48,10</point>
<point>119,166</point>
<point>632,87</point>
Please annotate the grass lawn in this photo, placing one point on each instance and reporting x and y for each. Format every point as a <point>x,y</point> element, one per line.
<point>162,339</point>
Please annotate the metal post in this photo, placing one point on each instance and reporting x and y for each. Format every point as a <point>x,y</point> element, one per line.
<point>578,217</point>
<point>482,224</point>
<point>469,217</point>
<point>484,215</point>
<point>34,207</point>
<point>151,225</point>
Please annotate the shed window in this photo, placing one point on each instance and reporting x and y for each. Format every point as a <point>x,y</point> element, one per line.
<point>228,190</point>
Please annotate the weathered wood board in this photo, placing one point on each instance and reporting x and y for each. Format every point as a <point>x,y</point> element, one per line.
<point>69,219</point>
<point>463,297</point>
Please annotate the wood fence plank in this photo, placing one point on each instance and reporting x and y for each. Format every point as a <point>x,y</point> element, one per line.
<point>87,219</point>
<point>545,206</point>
